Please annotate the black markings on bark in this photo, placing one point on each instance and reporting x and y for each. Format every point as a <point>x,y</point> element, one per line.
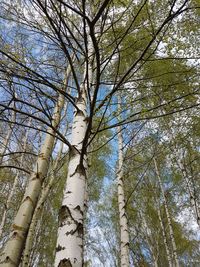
<point>86,119</point>
<point>78,229</point>
<point>79,169</point>
<point>65,263</point>
<point>59,248</point>
<point>72,152</point>
<point>64,213</point>
<point>28,198</point>
<point>8,260</point>
<point>79,209</point>
<point>79,113</point>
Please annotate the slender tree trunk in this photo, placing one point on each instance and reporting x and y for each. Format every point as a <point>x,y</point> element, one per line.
<point>7,139</point>
<point>13,250</point>
<point>124,231</point>
<point>190,188</point>
<point>151,240</point>
<point>39,207</point>
<point>191,192</point>
<point>170,260</point>
<point>171,231</point>
<point>9,199</point>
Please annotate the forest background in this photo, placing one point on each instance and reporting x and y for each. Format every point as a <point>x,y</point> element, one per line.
<point>99,133</point>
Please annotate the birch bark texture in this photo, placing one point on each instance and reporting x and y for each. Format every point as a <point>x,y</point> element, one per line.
<point>124,231</point>
<point>69,249</point>
<point>171,231</point>
<point>70,240</point>
<point>39,207</point>
<point>12,252</point>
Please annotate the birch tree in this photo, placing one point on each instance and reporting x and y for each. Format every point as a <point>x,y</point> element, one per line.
<point>124,231</point>
<point>112,43</point>
<point>14,247</point>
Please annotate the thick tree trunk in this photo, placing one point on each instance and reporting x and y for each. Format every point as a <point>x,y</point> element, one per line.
<point>124,231</point>
<point>9,199</point>
<point>171,231</point>
<point>13,250</point>
<point>70,240</point>
<point>69,250</point>
<point>169,259</point>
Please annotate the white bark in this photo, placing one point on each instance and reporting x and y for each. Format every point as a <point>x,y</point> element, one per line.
<point>13,250</point>
<point>39,206</point>
<point>69,248</point>
<point>124,231</point>
<point>170,260</point>
<point>171,231</point>
<point>69,251</point>
<point>9,199</point>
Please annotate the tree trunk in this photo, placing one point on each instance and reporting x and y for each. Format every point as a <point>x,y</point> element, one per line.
<point>7,139</point>
<point>189,187</point>
<point>13,250</point>
<point>171,231</point>
<point>124,231</point>
<point>70,240</point>
<point>191,190</point>
<point>170,260</point>
<point>69,250</point>
<point>39,207</point>
<point>9,199</point>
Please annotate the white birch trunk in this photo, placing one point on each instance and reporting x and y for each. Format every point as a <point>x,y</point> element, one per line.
<point>124,231</point>
<point>39,206</point>
<point>12,252</point>
<point>9,199</point>
<point>171,231</point>
<point>70,240</point>
<point>69,251</point>
<point>169,259</point>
